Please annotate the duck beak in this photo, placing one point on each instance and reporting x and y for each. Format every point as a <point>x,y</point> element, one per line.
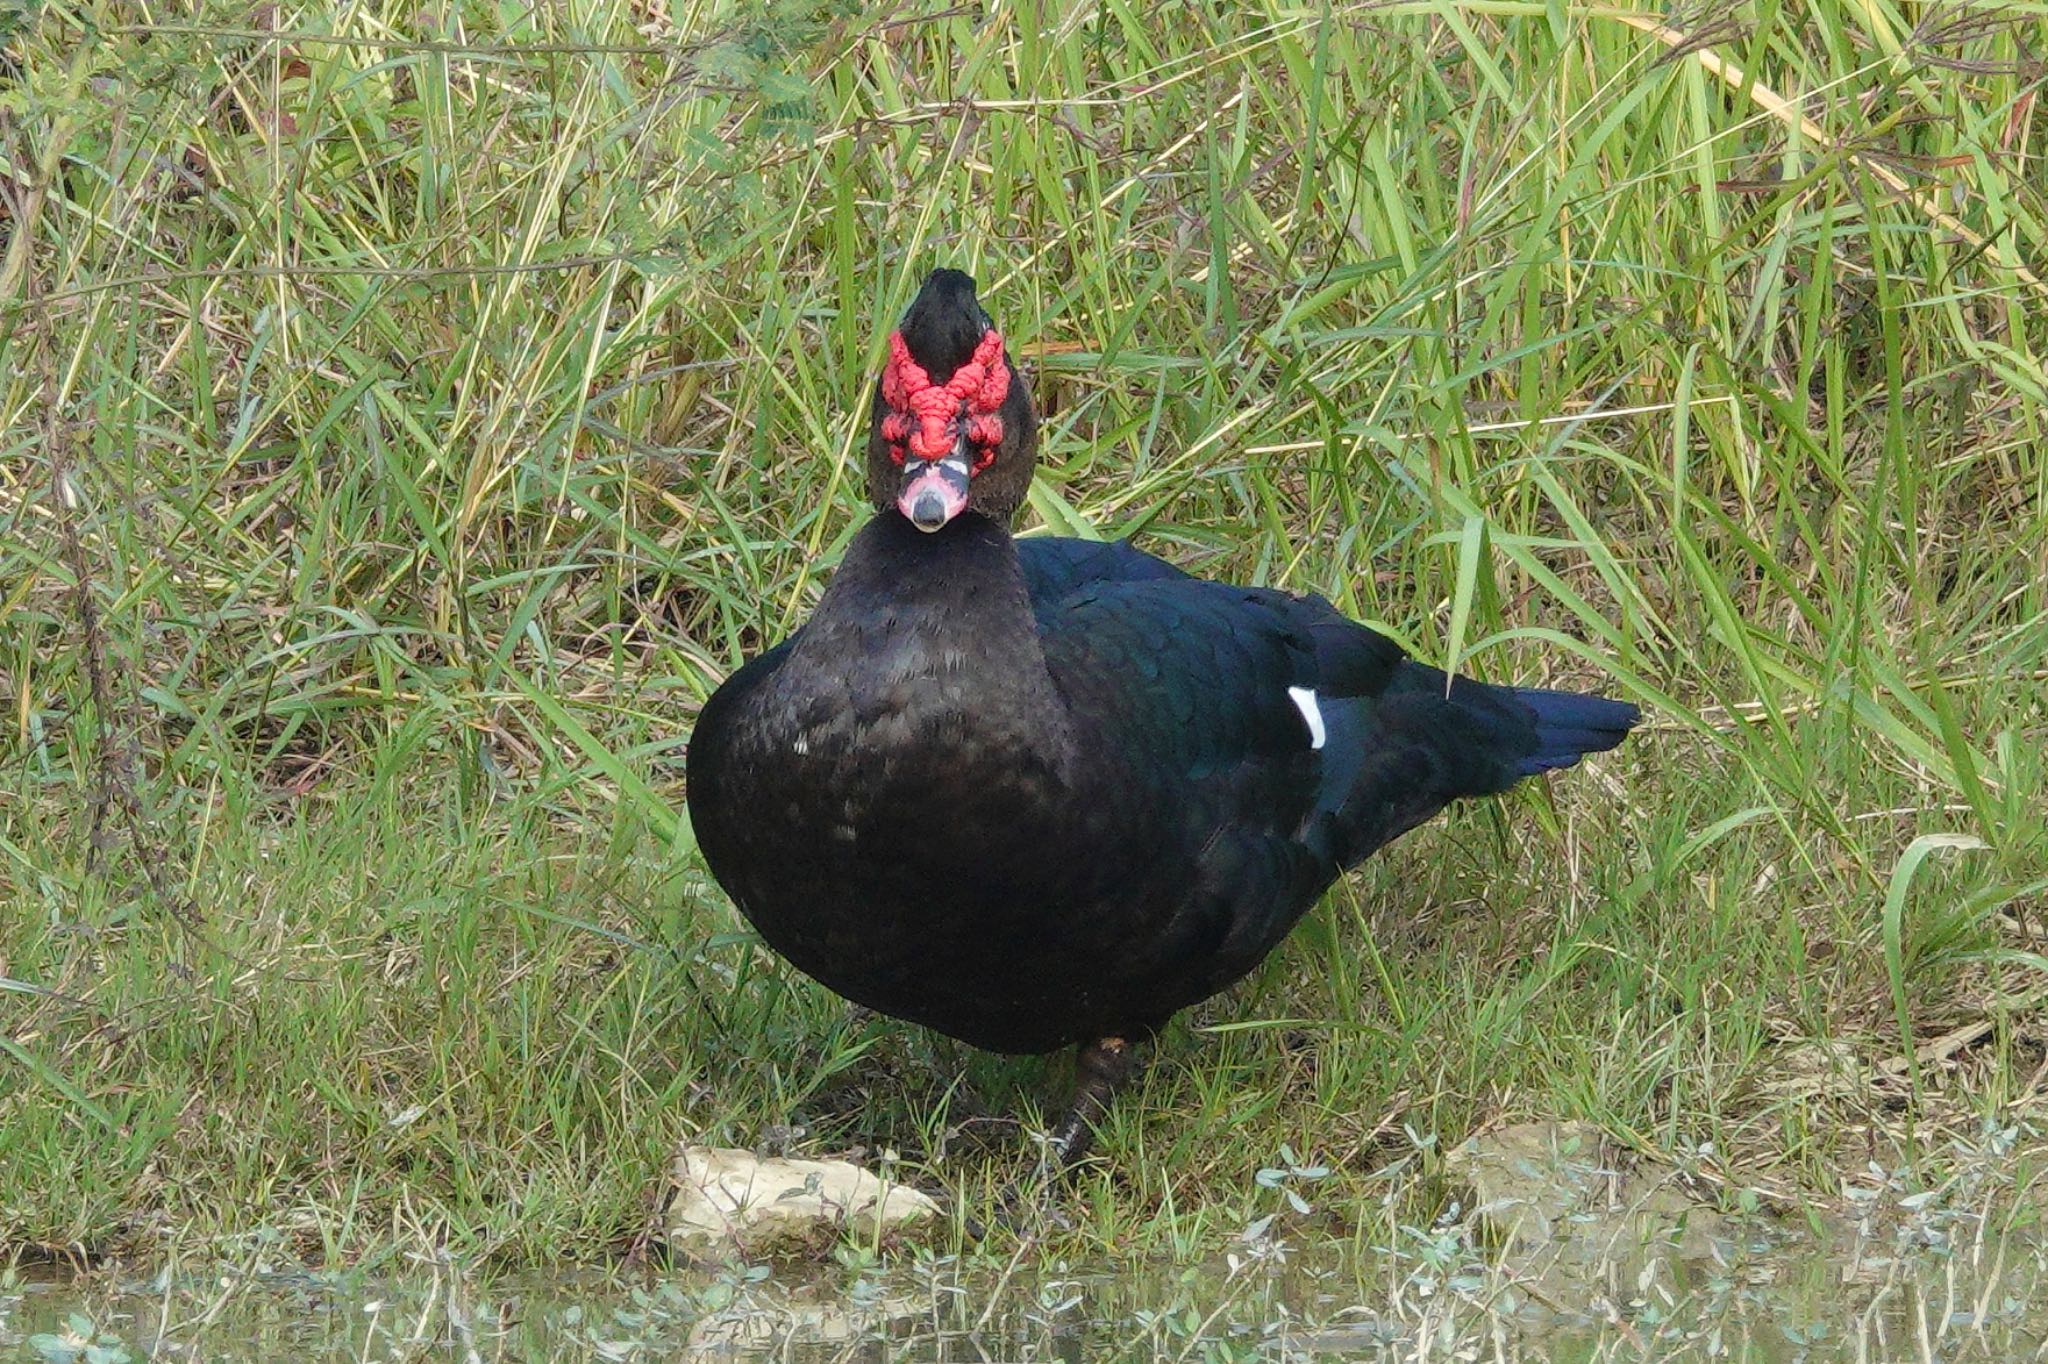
<point>934,491</point>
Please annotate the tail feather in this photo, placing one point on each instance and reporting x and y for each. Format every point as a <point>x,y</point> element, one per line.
<point>1397,757</point>
<point>1482,738</point>
<point>1570,725</point>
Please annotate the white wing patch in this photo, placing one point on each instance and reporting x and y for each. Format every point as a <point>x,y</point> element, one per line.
<point>1305,702</point>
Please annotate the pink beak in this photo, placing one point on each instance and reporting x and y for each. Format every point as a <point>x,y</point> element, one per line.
<point>933,491</point>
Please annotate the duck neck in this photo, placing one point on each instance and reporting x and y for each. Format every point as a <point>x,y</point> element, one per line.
<point>958,585</point>
<point>937,622</point>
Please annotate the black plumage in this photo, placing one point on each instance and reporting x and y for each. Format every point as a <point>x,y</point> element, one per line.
<point>1041,792</point>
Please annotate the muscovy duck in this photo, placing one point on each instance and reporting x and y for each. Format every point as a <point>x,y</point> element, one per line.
<point>1039,792</point>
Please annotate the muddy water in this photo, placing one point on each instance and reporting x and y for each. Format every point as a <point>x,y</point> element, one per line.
<point>1739,1290</point>
<point>1554,1246</point>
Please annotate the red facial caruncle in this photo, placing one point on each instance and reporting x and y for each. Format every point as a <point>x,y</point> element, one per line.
<point>925,419</point>
<point>941,435</point>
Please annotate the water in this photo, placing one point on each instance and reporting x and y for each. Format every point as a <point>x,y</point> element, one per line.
<point>1744,1290</point>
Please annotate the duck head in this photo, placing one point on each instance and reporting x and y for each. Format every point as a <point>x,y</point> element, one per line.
<point>953,430</point>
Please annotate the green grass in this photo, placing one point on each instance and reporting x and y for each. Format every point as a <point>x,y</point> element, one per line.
<point>441,409</point>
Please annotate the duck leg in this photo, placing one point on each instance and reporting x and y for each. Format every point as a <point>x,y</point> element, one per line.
<point>1100,1069</point>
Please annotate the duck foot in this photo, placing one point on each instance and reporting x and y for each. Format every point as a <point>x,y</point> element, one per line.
<point>1025,1210</point>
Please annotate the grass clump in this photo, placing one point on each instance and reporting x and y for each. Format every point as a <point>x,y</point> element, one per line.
<point>409,419</point>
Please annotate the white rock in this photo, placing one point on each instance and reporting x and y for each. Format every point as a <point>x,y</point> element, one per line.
<point>731,1199</point>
